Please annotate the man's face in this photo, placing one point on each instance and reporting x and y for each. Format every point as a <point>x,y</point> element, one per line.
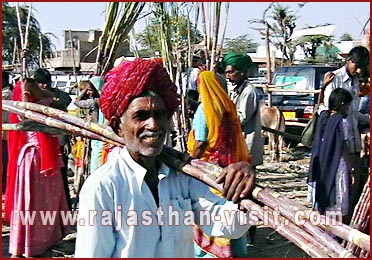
<point>233,75</point>
<point>44,86</point>
<point>144,126</point>
<point>352,68</point>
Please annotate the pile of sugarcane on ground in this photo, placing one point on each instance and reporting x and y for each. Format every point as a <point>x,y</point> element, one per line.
<point>360,221</point>
<point>290,219</point>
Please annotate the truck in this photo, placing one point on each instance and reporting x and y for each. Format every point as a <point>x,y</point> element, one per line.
<point>296,93</point>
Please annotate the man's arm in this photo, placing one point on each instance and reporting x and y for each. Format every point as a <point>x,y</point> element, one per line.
<point>87,103</point>
<point>248,104</point>
<point>61,100</point>
<point>227,219</point>
<point>94,239</point>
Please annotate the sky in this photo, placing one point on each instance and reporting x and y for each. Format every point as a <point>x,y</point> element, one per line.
<point>350,17</point>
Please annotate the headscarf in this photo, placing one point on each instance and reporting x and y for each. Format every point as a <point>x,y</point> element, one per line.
<point>239,61</point>
<point>226,143</point>
<point>129,79</point>
<point>97,83</point>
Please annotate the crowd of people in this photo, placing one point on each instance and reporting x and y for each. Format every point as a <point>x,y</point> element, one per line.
<point>127,195</point>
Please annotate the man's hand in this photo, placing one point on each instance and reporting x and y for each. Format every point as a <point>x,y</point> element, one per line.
<point>328,77</point>
<point>239,180</point>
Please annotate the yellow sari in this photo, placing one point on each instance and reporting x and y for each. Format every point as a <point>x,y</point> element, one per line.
<point>225,140</point>
<point>225,145</point>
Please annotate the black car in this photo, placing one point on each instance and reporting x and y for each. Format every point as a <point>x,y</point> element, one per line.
<point>298,107</point>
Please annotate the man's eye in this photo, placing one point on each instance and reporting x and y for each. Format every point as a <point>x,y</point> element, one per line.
<point>141,116</point>
<point>161,115</point>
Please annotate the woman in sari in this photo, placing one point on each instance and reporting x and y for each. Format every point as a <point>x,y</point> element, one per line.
<point>216,137</point>
<point>35,185</point>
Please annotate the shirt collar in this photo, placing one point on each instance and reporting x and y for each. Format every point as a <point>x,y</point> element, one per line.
<point>345,75</point>
<point>239,89</point>
<point>139,171</point>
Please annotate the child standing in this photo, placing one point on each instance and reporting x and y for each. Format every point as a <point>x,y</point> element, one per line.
<point>330,164</point>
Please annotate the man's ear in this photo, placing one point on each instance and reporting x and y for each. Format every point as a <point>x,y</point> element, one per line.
<point>115,124</point>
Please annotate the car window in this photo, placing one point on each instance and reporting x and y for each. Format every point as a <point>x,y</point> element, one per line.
<point>300,82</point>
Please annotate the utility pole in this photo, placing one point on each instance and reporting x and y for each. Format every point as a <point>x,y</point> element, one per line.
<point>267,43</point>
<point>268,61</point>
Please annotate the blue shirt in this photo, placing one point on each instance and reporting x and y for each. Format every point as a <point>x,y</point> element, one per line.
<point>118,214</point>
<point>199,124</point>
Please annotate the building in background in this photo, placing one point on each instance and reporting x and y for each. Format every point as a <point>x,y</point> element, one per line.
<point>80,52</point>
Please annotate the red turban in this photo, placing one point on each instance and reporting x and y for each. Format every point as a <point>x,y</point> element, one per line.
<point>128,80</point>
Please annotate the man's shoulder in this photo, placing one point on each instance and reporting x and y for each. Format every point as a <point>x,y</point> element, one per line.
<point>248,88</point>
<point>340,72</point>
<point>62,94</point>
<point>107,173</point>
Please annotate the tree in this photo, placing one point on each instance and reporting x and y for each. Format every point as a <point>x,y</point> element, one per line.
<point>346,37</point>
<point>150,41</point>
<point>11,40</point>
<point>282,29</point>
<point>241,44</point>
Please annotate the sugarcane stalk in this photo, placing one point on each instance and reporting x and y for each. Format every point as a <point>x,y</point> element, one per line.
<point>360,217</point>
<point>362,207</point>
<point>293,233</point>
<point>43,119</point>
<point>216,27</point>
<point>118,24</point>
<point>29,125</point>
<point>205,31</point>
<point>24,37</point>
<point>227,6</point>
<point>64,116</point>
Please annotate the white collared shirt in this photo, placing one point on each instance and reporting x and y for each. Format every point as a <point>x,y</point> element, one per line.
<point>117,192</point>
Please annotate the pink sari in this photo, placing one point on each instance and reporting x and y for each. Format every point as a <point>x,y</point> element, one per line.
<point>36,190</point>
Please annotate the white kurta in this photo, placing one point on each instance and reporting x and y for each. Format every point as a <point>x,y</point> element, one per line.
<point>117,193</point>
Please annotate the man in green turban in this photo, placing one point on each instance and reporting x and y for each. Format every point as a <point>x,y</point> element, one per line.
<point>239,61</point>
<point>246,99</point>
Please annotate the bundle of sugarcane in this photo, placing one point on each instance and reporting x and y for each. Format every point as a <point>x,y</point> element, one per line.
<point>62,120</point>
<point>289,230</point>
<point>360,221</point>
<point>286,207</point>
<point>328,224</point>
<point>312,239</point>
<point>120,20</point>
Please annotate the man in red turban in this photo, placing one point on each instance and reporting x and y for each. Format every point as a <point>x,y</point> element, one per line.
<point>131,78</point>
<point>135,205</point>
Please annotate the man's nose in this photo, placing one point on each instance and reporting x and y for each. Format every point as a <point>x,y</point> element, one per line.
<point>152,123</point>
<point>358,70</point>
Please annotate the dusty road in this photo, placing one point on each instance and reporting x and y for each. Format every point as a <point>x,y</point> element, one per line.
<point>288,178</point>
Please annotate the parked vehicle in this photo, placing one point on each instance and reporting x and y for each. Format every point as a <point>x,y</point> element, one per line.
<point>297,105</point>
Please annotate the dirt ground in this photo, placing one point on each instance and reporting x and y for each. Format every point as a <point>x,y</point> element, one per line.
<point>287,177</point>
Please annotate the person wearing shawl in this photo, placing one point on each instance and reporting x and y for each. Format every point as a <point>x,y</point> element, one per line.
<point>89,100</point>
<point>34,184</point>
<point>143,207</point>
<point>247,101</point>
<point>216,137</point>
<point>331,163</point>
